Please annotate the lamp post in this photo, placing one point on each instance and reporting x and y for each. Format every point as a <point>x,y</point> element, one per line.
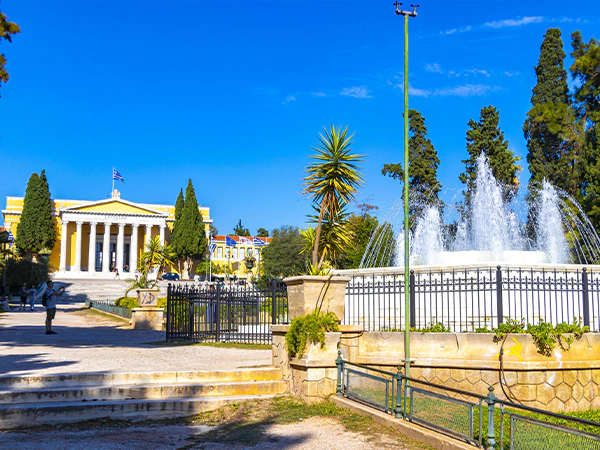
<point>406,15</point>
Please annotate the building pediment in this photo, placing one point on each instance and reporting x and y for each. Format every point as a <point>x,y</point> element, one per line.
<point>114,206</point>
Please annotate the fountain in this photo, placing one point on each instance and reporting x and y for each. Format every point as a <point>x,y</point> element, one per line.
<point>491,232</point>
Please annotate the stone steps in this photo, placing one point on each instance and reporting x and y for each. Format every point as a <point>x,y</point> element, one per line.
<point>33,400</point>
<point>95,290</point>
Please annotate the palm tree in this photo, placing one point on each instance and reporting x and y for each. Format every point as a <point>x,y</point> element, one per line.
<point>333,180</point>
<point>156,255</point>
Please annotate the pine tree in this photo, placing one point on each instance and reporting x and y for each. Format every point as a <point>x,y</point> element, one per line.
<point>240,230</point>
<point>423,165</point>
<point>486,137</point>
<point>190,231</point>
<point>7,29</point>
<point>549,155</point>
<point>35,230</point>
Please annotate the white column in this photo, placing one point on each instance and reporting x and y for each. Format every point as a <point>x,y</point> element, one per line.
<point>162,234</point>
<point>78,247</point>
<point>63,245</point>
<point>133,248</point>
<point>148,235</point>
<point>92,249</point>
<point>106,248</point>
<point>120,247</point>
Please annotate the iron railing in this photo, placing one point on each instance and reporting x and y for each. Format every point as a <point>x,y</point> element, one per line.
<point>483,421</point>
<point>109,307</point>
<point>468,299</point>
<point>226,312</point>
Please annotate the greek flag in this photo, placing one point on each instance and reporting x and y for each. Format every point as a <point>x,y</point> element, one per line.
<point>259,242</point>
<point>212,246</point>
<point>230,242</point>
<point>117,176</point>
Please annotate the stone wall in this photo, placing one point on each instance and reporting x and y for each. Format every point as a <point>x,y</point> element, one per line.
<point>566,381</point>
<point>147,318</point>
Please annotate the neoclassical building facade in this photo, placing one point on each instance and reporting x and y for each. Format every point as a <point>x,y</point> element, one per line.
<point>96,237</point>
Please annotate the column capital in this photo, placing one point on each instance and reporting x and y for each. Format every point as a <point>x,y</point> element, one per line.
<point>121,225</point>
<point>135,226</point>
<point>79,223</point>
<point>64,221</point>
<point>93,224</point>
<point>107,224</point>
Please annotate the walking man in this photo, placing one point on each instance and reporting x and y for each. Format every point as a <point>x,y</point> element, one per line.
<point>49,301</point>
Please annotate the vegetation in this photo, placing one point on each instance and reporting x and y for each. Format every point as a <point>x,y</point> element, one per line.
<point>486,137</point>
<point>156,256</point>
<point>360,228</point>
<point>262,232</point>
<point>7,30</point>
<point>175,242</point>
<point>24,270</point>
<point>36,231</point>
<point>282,257</point>
<point>423,165</point>
<point>240,230</point>
<point>188,238</point>
<point>309,328</point>
<point>132,302</point>
<point>331,182</point>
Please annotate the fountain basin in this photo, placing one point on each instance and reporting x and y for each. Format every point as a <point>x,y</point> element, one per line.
<point>466,257</point>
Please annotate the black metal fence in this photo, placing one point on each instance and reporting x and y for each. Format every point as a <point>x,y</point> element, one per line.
<point>226,312</point>
<point>468,299</point>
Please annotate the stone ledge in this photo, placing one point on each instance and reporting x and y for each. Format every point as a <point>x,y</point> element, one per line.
<point>436,440</point>
<point>302,363</point>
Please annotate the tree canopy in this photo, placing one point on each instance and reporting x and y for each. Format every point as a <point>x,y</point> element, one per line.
<point>423,165</point>
<point>262,232</point>
<point>7,30</point>
<point>240,230</point>
<point>282,257</point>
<point>485,136</point>
<point>36,230</point>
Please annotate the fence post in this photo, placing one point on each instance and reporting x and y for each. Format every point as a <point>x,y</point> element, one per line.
<point>491,401</point>
<point>411,294</point>
<point>340,369</point>
<point>499,305</point>
<point>398,410</point>
<point>586,297</point>
<point>169,307</point>
<point>217,314</point>
<point>273,301</point>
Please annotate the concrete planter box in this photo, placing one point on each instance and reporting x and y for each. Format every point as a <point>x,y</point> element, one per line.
<point>306,293</point>
<point>147,297</point>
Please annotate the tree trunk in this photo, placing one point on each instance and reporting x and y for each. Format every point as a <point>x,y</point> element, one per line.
<point>315,253</point>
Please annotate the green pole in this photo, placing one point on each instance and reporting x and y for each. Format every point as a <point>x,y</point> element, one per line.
<point>406,219</point>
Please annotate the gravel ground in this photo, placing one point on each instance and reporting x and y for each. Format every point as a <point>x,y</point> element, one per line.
<point>90,342</point>
<point>314,433</point>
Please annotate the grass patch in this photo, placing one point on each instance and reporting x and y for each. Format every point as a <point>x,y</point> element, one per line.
<point>101,314</point>
<point>213,344</point>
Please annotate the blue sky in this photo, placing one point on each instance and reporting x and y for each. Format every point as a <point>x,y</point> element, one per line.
<point>233,94</point>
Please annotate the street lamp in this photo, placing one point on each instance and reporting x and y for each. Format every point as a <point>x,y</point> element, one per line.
<point>406,15</point>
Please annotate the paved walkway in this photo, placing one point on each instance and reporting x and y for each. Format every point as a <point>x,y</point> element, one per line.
<point>89,342</point>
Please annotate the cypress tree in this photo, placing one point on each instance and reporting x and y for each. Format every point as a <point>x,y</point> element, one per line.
<point>423,166</point>
<point>35,230</point>
<point>190,231</point>
<point>179,204</point>
<point>549,155</point>
<point>485,136</point>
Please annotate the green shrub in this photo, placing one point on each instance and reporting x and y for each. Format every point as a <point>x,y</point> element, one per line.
<point>310,328</point>
<point>25,271</point>
<point>127,302</point>
<point>162,302</point>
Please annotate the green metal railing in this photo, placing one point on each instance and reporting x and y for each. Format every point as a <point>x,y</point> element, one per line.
<point>484,421</point>
<point>109,307</point>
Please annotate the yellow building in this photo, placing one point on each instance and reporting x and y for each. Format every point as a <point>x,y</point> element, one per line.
<point>94,237</point>
<point>232,259</point>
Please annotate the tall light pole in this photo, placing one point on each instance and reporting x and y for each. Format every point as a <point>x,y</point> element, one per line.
<point>406,15</point>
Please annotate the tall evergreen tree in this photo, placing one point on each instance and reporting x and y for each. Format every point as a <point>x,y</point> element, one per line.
<point>190,231</point>
<point>586,71</point>
<point>240,230</point>
<point>486,137</point>
<point>35,230</point>
<point>549,155</point>
<point>423,165</point>
<point>179,204</point>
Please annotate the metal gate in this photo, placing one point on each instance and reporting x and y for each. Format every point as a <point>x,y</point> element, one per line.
<point>226,312</point>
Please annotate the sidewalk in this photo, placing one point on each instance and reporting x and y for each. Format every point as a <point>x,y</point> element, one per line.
<point>88,342</point>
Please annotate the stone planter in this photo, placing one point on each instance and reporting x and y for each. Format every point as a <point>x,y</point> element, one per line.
<point>147,297</point>
<point>306,293</point>
<point>147,318</point>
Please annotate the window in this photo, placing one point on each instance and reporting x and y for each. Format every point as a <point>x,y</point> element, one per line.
<point>235,251</point>
<point>220,252</point>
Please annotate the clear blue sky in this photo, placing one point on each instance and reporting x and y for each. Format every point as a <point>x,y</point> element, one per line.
<point>232,94</point>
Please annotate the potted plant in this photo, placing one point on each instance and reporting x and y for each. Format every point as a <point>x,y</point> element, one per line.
<point>250,260</point>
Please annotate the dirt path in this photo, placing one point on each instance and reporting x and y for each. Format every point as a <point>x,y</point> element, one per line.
<point>92,342</point>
